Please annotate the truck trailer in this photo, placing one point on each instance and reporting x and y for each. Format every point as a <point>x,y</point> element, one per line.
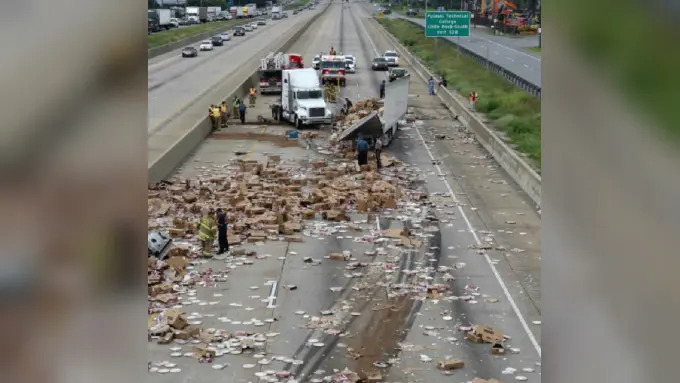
<point>192,15</point>
<point>252,10</point>
<point>203,14</point>
<point>395,106</point>
<point>161,18</point>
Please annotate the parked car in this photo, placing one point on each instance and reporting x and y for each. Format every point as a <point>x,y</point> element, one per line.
<point>380,63</point>
<point>206,45</point>
<point>174,22</point>
<point>284,15</point>
<point>392,58</point>
<point>396,73</point>
<point>217,41</point>
<point>239,31</point>
<point>295,12</point>
<point>189,52</point>
<point>225,36</point>
<point>183,21</point>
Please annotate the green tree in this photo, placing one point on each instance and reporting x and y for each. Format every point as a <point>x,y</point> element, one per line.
<point>152,4</point>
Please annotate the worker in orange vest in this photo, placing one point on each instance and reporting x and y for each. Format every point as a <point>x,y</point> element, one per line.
<point>252,97</point>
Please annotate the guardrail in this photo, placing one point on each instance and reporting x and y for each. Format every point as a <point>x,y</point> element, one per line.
<point>510,76</point>
<point>163,166</point>
<point>526,177</point>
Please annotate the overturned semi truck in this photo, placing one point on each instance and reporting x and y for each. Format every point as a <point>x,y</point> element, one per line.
<point>385,125</point>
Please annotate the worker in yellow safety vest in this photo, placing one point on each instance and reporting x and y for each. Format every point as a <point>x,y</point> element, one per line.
<point>332,52</point>
<point>214,113</point>
<point>223,114</point>
<point>207,231</point>
<point>234,107</point>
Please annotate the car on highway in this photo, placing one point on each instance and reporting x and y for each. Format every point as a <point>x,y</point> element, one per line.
<point>225,36</point>
<point>380,63</point>
<point>396,73</point>
<point>239,31</point>
<point>217,41</point>
<point>284,15</point>
<point>174,22</point>
<point>183,21</point>
<point>206,45</point>
<point>253,25</point>
<point>295,12</point>
<point>189,52</point>
<point>316,62</point>
<point>392,58</point>
<point>350,64</point>
<point>248,28</point>
<point>261,22</point>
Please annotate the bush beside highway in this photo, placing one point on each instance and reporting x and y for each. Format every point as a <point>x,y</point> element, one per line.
<point>511,111</point>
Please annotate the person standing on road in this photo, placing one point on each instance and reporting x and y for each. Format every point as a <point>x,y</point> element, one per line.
<point>234,107</point>
<point>378,152</point>
<point>253,93</point>
<point>430,86</point>
<point>382,89</point>
<point>242,112</point>
<point>207,228</point>
<point>223,114</point>
<point>222,231</point>
<point>214,113</point>
<point>362,151</point>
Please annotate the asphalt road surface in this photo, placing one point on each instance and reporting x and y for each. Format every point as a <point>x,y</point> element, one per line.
<point>508,52</point>
<point>474,202</point>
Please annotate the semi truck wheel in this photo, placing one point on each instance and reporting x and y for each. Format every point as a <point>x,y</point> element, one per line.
<point>298,123</point>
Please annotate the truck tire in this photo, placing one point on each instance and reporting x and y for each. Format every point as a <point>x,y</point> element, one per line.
<point>298,123</point>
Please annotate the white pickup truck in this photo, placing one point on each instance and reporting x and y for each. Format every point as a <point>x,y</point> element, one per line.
<point>302,99</point>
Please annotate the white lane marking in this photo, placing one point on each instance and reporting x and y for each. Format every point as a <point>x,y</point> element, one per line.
<point>510,58</point>
<point>525,65</point>
<point>272,296</point>
<point>377,222</point>
<point>472,230</point>
<point>508,296</point>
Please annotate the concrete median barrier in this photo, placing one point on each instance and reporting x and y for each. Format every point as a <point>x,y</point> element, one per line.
<point>185,145</point>
<point>526,177</point>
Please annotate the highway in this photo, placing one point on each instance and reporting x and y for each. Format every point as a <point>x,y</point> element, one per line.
<point>181,89</point>
<point>474,203</point>
<point>508,52</point>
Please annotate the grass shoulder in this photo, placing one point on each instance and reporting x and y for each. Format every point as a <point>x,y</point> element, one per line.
<point>511,111</point>
<point>156,40</point>
<point>296,4</point>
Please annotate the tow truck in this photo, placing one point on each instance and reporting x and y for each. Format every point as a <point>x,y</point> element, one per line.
<point>333,69</point>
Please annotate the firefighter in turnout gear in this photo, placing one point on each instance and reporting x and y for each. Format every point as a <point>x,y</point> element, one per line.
<point>332,51</point>
<point>224,114</point>
<point>207,231</point>
<point>234,107</point>
<point>252,95</point>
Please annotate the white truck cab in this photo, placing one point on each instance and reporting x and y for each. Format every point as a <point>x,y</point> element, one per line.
<point>302,99</point>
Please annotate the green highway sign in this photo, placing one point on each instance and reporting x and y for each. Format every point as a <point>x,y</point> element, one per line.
<point>447,24</point>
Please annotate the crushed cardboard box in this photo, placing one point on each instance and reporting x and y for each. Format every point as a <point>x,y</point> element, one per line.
<point>485,334</point>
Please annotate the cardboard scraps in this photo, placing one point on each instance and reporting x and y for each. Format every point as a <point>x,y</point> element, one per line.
<point>176,319</point>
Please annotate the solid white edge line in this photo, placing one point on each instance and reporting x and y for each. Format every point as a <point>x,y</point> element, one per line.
<point>472,229</point>
<point>272,295</point>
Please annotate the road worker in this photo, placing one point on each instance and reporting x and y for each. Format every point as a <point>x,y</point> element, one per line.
<point>214,113</point>
<point>378,152</point>
<point>382,89</point>
<point>332,51</point>
<point>234,107</point>
<point>222,224</point>
<point>224,115</point>
<point>242,111</point>
<point>207,231</point>
<point>252,95</point>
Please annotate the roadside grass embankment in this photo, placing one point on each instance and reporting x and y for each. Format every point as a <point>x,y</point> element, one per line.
<point>295,5</point>
<point>510,110</point>
<point>158,39</point>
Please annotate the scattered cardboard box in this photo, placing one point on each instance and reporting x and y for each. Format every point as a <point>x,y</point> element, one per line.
<point>450,364</point>
<point>175,319</point>
<point>485,334</point>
